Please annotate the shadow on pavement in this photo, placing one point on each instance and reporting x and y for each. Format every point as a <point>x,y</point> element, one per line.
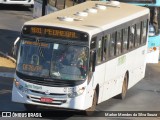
<point>7,69</point>
<point>7,38</point>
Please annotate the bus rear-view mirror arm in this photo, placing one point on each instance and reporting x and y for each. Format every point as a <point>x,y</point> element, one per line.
<point>15,46</point>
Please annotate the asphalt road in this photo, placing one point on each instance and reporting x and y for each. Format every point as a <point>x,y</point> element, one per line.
<point>12,17</point>
<point>144,96</point>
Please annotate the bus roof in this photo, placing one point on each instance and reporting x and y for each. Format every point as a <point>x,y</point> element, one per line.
<point>94,22</point>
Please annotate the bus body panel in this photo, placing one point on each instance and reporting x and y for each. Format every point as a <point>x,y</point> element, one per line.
<point>99,78</point>
<point>113,80</point>
<point>25,2</point>
<point>32,94</point>
<point>116,71</point>
<point>136,61</point>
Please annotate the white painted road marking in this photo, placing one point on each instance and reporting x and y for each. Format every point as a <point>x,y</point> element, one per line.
<point>4,91</point>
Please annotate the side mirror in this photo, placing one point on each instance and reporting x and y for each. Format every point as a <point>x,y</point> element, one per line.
<point>14,49</point>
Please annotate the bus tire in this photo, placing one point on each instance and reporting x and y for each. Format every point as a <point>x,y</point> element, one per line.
<point>30,107</point>
<point>91,110</point>
<point>122,95</point>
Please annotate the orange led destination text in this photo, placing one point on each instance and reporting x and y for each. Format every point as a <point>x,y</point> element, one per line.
<point>53,32</point>
<point>32,68</point>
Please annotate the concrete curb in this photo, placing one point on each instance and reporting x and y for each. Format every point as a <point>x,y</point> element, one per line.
<point>7,56</point>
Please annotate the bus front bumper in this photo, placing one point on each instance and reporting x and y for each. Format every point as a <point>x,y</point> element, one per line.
<point>76,103</point>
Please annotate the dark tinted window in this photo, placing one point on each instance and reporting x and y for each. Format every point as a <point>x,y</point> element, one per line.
<point>131,36</point>
<point>112,43</point>
<point>125,39</point>
<point>119,42</point>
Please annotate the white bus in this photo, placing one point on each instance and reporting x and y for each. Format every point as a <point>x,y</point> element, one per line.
<point>25,2</point>
<point>79,61</point>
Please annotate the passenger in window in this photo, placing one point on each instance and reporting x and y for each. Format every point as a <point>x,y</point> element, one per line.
<point>82,62</point>
<point>35,59</point>
<point>68,57</point>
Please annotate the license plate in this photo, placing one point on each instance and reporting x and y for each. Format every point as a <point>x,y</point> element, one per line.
<point>47,100</point>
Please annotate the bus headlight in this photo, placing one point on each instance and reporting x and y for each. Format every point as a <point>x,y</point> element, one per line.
<point>152,31</point>
<point>19,86</point>
<point>76,93</point>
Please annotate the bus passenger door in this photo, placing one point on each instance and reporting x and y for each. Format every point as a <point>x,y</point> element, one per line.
<point>110,66</point>
<point>99,71</point>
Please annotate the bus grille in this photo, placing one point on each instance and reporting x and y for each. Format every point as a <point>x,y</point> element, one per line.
<point>58,99</point>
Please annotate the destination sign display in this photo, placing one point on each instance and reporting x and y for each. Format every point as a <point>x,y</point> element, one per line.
<point>138,1</point>
<point>54,32</point>
<point>36,43</point>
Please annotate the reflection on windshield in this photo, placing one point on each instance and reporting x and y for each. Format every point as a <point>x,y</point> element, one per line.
<point>69,62</point>
<point>52,60</point>
<point>34,59</point>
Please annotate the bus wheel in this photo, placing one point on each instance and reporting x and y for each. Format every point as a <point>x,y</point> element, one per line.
<point>124,88</point>
<point>91,110</point>
<point>30,107</point>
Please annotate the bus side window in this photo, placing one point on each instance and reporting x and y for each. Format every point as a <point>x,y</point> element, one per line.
<point>125,40</point>
<point>119,42</point>
<point>105,46</point>
<point>131,36</point>
<point>92,54</point>
<point>138,34</point>
<point>99,51</point>
<point>92,62</point>
<point>112,45</point>
<point>144,32</point>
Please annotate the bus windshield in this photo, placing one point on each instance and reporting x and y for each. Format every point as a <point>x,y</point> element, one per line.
<point>52,60</point>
